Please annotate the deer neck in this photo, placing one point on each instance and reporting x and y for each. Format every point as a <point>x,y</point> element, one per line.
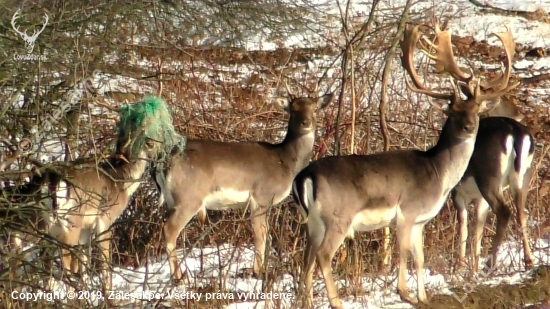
<point>133,171</point>
<point>297,148</point>
<point>451,156</point>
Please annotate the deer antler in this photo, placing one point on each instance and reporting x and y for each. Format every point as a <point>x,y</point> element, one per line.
<point>444,57</point>
<point>445,62</point>
<point>408,46</point>
<point>500,84</point>
<point>290,94</point>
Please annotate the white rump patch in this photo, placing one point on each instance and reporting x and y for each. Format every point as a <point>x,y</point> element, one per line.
<point>58,222</point>
<point>526,158</point>
<point>62,196</point>
<point>315,224</point>
<point>506,159</point>
<point>307,197</point>
<point>308,194</point>
<point>226,199</point>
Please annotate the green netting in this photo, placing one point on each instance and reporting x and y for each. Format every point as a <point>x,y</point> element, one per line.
<point>149,119</point>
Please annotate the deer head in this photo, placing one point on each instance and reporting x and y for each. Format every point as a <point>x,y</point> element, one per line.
<point>485,94</point>
<point>29,40</point>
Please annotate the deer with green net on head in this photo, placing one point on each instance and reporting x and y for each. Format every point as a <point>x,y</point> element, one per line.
<point>90,197</point>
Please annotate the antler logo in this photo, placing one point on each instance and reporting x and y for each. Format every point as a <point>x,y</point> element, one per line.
<point>29,40</point>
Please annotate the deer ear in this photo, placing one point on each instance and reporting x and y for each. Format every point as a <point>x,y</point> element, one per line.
<point>487,105</point>
<point>325,100</point>
<point>283,103</point>
<point>442,105</point>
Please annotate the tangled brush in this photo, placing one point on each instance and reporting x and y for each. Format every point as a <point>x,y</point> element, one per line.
<point>149,119</point>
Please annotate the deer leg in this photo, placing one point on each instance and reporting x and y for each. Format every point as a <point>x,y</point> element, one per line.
<point>417,253</point>
<point>314,240</point>
<point>259,226</point>
<point>460,203</point>
<point>519,193</point>
<point>403,231</point>
<point>386,259</point>
<point>86,250</point>
<point>482,210</point>
<point>171,230</point>
<point>104,239</point>
<point>327,249</point>
<point>69,237</point>
<point>502,212</point>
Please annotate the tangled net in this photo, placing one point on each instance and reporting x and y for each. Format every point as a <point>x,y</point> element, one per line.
<point>149,119</point>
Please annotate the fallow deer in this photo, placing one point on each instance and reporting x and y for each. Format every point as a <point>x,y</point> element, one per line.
<point>510,147</point>
<point>91,196</point>
<point>505,107</point>
<point>214,175</point>
<point>502,158</point>
<point>400,189</point>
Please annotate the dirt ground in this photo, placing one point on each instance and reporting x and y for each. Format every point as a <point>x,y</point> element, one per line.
<point>504,296</point>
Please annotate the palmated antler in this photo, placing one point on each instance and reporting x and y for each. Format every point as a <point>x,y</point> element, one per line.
<point>444,57</point>
<point>444,60</point>
<point>499,85</point>
<point>408,46</point>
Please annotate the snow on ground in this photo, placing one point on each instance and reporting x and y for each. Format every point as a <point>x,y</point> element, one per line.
<point>210,264</point>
